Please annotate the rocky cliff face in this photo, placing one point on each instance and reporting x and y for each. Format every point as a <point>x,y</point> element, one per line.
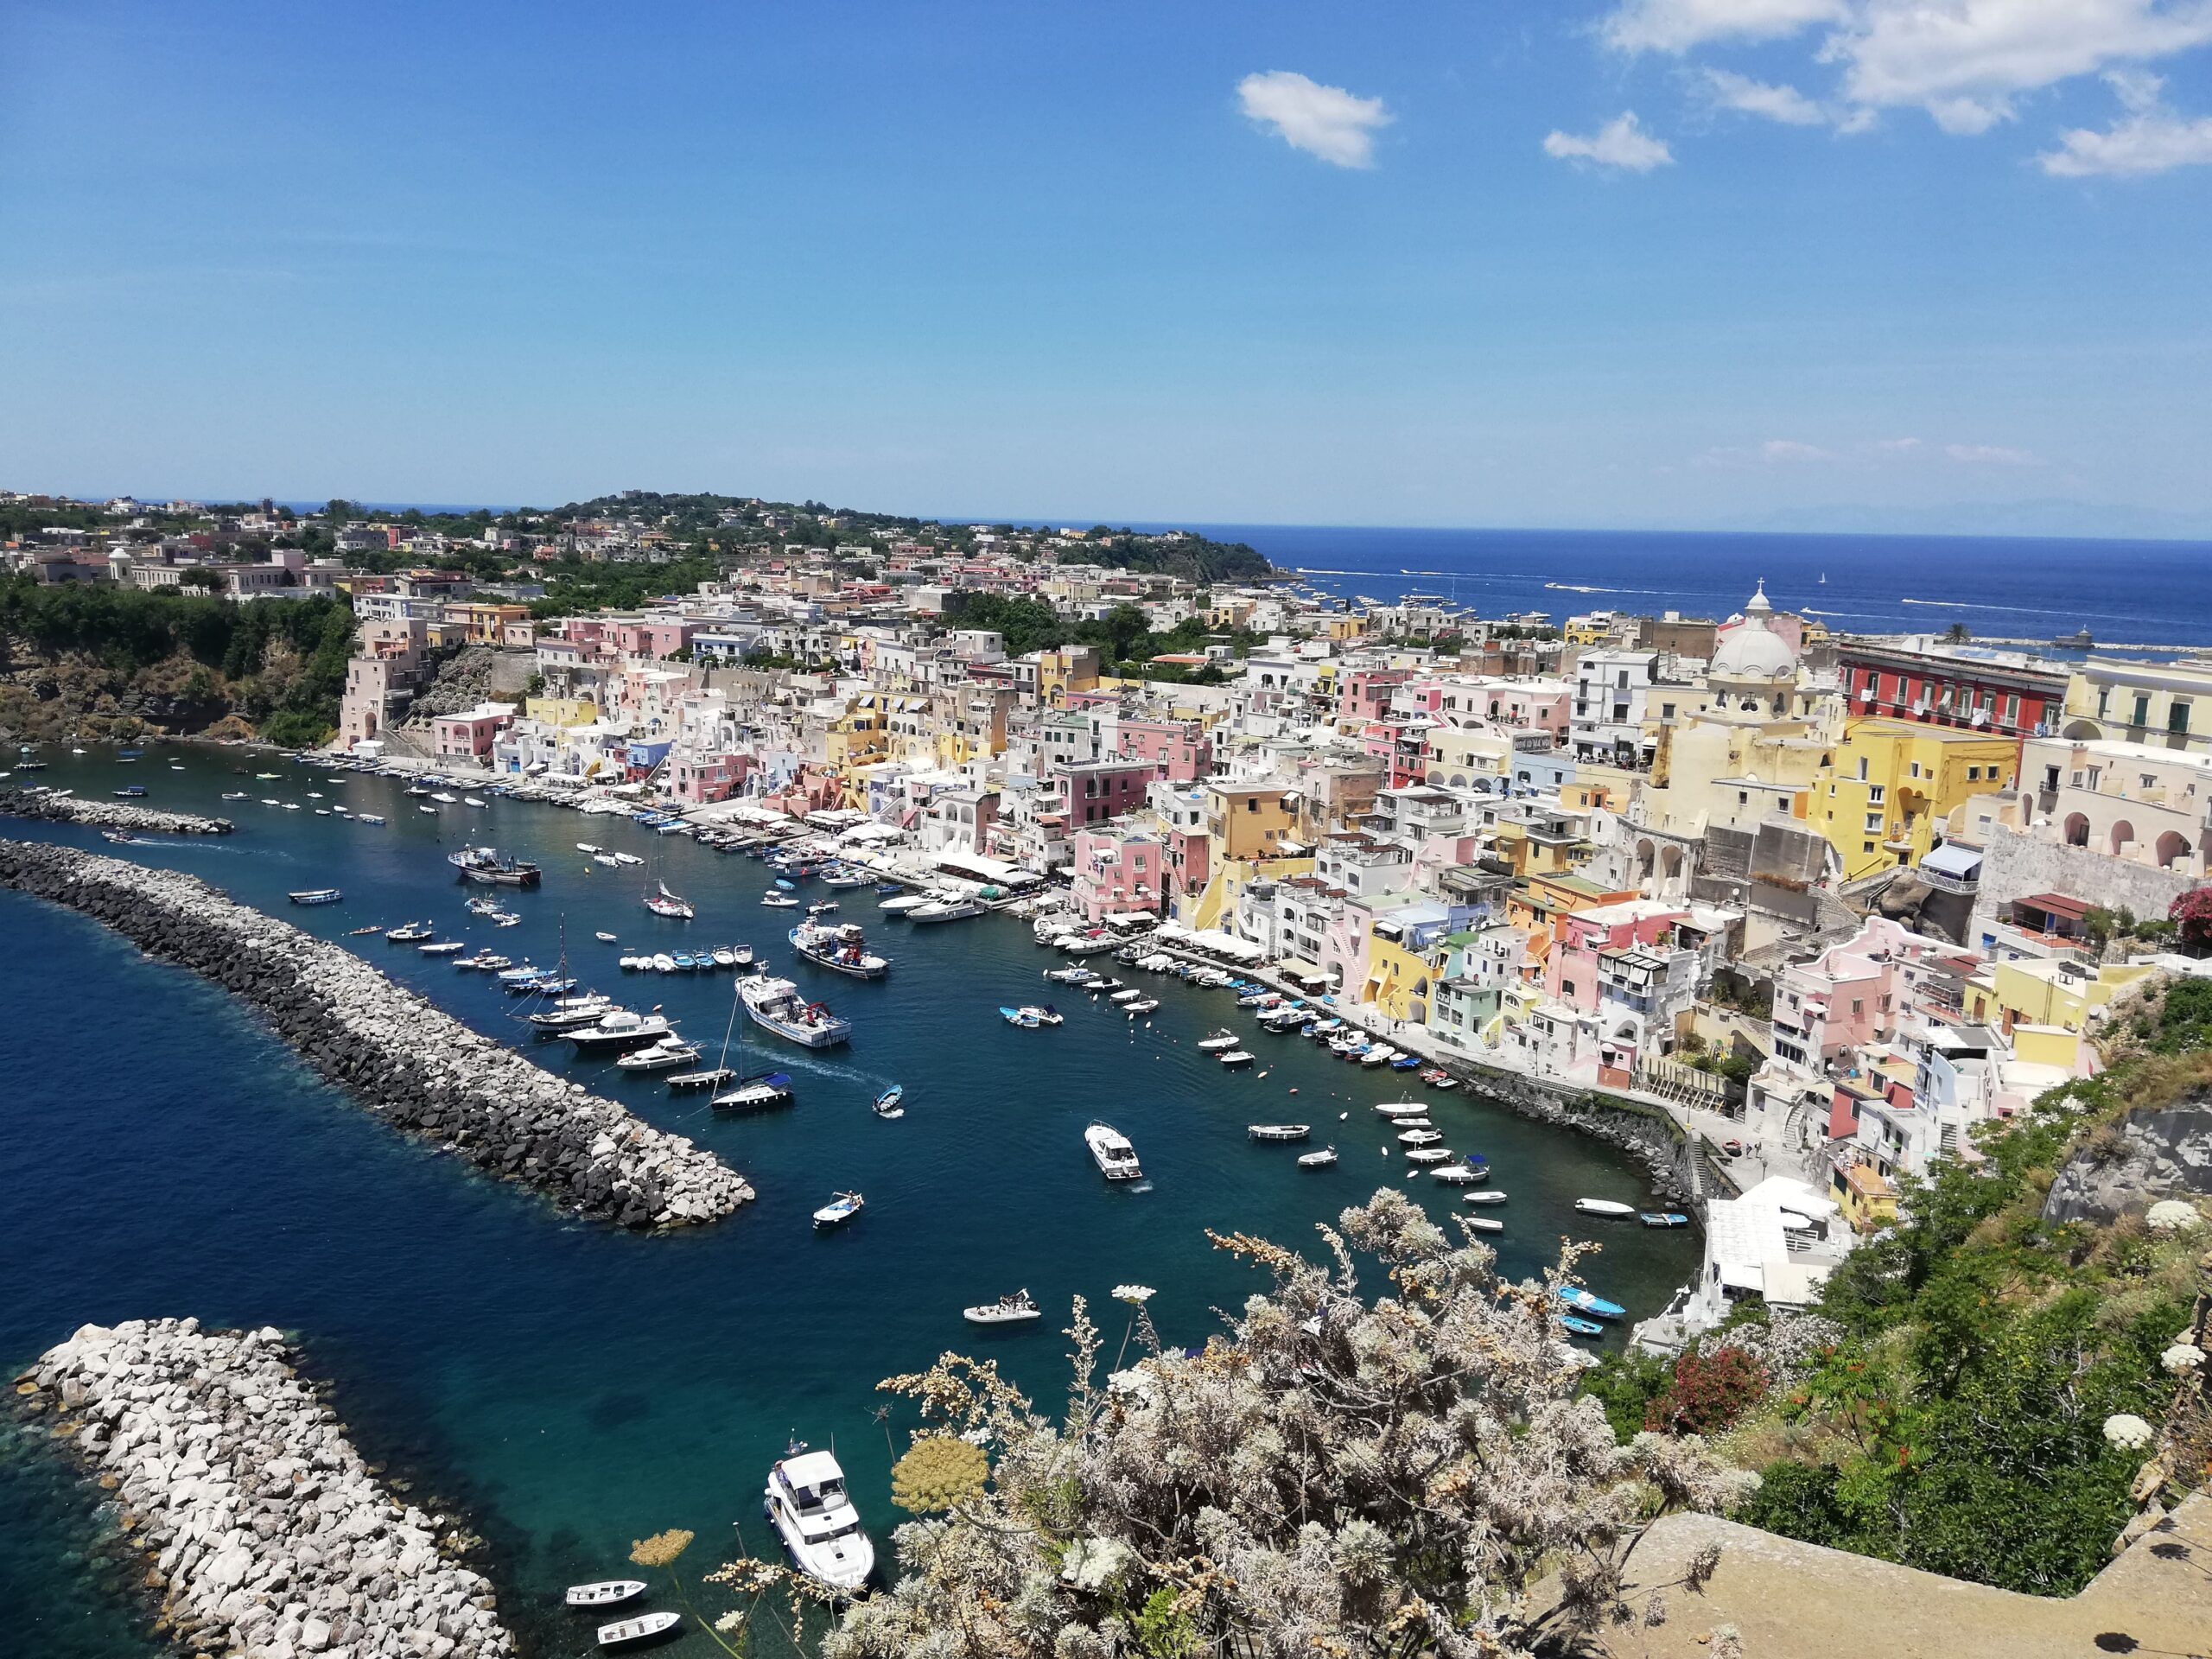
<point>2161,1154</point>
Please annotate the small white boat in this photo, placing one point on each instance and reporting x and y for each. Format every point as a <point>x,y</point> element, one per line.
<point>1278,1132</point>
<point>1234,1058</point>
<point>1422,1138</point>
<point>1129,995</point>
<point>1458,1175</point>
<point>1483,1197</point>
<point>607,1592</point>
<point>1612,1207</point>
<point>1321,1159</point>
<point>1396,1108</point>
<point>449,948</point>
<point>1017,1309</point>
<point>1426,1156</point>
<point>665,1055</point>
<point>471,800</point>
<point>1486,1224</point>
<point>1111,1151</point>
<point>779,901</point>
<point>368,817</point>
<point>901,906</point>
<point>606,938</point>
<point>587,846</point>
<point>1220,1042</point>
<point>840,1210</point>
<point>442,798</point>
<point>1142,1005</point>
<point>644,1626</point>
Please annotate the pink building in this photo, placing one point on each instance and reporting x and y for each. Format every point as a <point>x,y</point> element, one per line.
<point>1573,973</point>
<point>1098,790</point>
<point>1856,992</point>
<point>1118,870</point>
<point>1401,743</point>
<point>469,736</point>
<point>1182,753</point>
<point>1366,693</point>
<point>696,779</point>
<point>651,638</point>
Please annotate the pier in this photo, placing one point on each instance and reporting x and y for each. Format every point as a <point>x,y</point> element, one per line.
<point>421,1070</point>
<point>262,1530</point>
<point>50,808</point>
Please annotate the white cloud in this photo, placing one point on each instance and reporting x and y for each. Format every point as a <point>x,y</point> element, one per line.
<point>1773,451</point>
<point>2151,140</point>
<point>1964,60</point>
<point>1324,121</point>
<point>1622,142</point>
<point>1787,104</point>
<point>1678,25</point>
<point>1990,455</point>
<point>1895,445</point>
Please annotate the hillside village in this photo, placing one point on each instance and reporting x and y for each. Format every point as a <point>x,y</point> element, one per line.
<point>1819,905</point>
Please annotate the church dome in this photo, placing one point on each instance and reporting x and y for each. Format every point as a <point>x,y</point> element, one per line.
<point>1753,650</point>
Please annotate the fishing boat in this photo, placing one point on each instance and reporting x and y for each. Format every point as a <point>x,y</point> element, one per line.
<point>1234,1059</point>
<point>841,879</point>
<point>888,890</point>
<point>618,1031</point>
<point>842,948</point>
<point>642,1628</point>
<point>664,1055</point>
<point>362,932</point>
<point>1609,1207</point>
<point>776,1005</point>
<point>493,868</point>
<point>661,902</point>
<point>1278,1132</point>
<point>411,933</point>
<point>1017,1309</point>
<point>1321,1159</point>
<point>1031,1015</point>
<point>1581,1327</point>
<point>609,1592</point>
<point>1405,1063</point>
<point>887,1102</point>
<point>807,1505</point>
<point>1111,1151</point>
<point>315,896</point>
<point>1075,974</point>
<point>1483,1197</point>
<point>1663,1218</point>
<point>840,1210</point>
<point>1585,1301</point>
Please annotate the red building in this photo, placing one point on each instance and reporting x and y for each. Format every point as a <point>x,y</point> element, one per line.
<point>1938,689</point>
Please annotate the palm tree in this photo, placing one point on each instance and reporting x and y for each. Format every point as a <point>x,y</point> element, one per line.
<point>1956,634</point>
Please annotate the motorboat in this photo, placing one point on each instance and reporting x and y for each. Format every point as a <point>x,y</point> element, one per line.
<point>756,1094</point>
<point>493,868</point>
<point>587,846</point>
<point>1378,1054</point>
<point>776,1005</point>
<point>609,1592</point>
<point>1485,1224</point>
<point>1321,1159</point>
<point>236,795</point>
<point>1426,1157</point>
<point>905,904</point>
<point>644,1627</point>
<point>1234,1057</point>
<point>606,938</point>
<point>840,947</point>
<point>573,1013</point>
<point>1589,1302</point>
<point>665,1055</point>
<point>612,861</point>
<point>822,907</point>
<point>1609,1207</point>
<point>1422,1138</point>
<point>661,902</point>
<point>1031,1015</point>
<point>317,896</point>
<point>1458,1175</point>
<point>1075,974</point>
<point>473,800</point>
<point>135,791</point>
<point>1581,1327</point>
<point>627,858</point>
<point>412,789</point>
<point>1483,1197</point>
<point>840,1210</point>
<point>1278,1132</point>
<point>1111,1151</point>
<point>887,1102</point>
<point>945,910</point>
<point>1128,995</point>
<point>779,901</point>
<point>843,879</point>
<point>618,1031</point>
<point>432,811</point>
<point>888,889</point>
<point>1017,1309</point>
<point>807,1505</point>
<point>448,948</point>
<point>1142,1005</point>
<point>1098,985</point>
<point>1402,1108</point>
<point>1411,1123</point>
<point>482,906</point>
<point>1437,1077</point>
<point>661,963</point>
<point>442,798</point>
<point>368,817</point>
<point>1663,1218</point>
<point>411,933</point>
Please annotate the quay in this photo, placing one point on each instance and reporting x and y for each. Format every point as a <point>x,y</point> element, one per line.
<point>262,1530</point>
<point>419,1069</point>
<point>51,807</point>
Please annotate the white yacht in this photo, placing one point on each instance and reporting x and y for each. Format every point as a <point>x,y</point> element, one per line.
<point>618,1030</point>
<point>1110,1150</point>
<point>945,910</point>
<point>807,1503</point>
<point>778,1005</point>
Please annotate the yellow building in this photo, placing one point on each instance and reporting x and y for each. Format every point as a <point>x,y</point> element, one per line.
<point>859,737</point>
<point>1892,781</point>
<point>1246,822</point>
<point>1068,670</point>
<point>1865,1196</point>
<point>561,711</point>
<point>486,623</point>
<point>2059,995</point>
<point>2166,703</point>
<point>1341,628</point>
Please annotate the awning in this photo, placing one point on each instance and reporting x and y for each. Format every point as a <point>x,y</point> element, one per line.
<point>1954,859</point>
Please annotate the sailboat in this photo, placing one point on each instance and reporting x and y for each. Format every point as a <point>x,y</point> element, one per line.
<point>752,1094</point>
<point>661,902</point>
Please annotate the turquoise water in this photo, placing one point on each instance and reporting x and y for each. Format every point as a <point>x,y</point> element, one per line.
<point>577,1388</point>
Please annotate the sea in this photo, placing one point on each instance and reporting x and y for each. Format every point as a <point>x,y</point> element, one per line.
<point>569,1387</point>
<point>2155,595</point>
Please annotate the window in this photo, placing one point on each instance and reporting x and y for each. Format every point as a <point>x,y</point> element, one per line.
<point>1862,768</point>
<point>2142,709</point>
<point>1866,847</point>
<point>2177,717</point>
<point>1873,822</point>
<point>1973,774</point>
<point>1873,794</point>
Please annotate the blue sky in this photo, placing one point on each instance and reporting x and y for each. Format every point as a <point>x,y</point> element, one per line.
<point>1663,262</point>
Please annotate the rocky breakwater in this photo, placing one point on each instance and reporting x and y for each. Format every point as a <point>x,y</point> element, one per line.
<point>107,815</point>
<point>416,1067</point>
<point>264,1533</point>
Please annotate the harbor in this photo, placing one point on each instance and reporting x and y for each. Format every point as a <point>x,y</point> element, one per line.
<point>576,1387</point>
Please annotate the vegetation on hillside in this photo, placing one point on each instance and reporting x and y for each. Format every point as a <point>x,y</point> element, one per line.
<point>104,661</point>
<point>1127,642</point>
<point>1945,1406</point>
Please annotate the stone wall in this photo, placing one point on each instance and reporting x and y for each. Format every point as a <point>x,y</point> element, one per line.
<point>416,1067</point>
<point>2014,866</point>
<point>263,1532</point>
<point>2160,1155</point>
<point>107,815</point>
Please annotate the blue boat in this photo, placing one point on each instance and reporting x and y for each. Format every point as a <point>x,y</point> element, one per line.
<point>1663,1218</point>
<point>1582,1327</point>
<point>1405,1062</point>
<point>133,792</point>
<point>1584,1301</point>
<point>788,886</point>
<point>887,1103</point>
<point>888,889</point>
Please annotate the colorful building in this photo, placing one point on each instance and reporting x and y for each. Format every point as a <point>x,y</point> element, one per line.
<point>1892,782</point>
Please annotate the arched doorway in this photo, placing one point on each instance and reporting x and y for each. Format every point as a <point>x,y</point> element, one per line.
<point>2171,848</point>
<point>2123,838</point>
<point>2077,829</point>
